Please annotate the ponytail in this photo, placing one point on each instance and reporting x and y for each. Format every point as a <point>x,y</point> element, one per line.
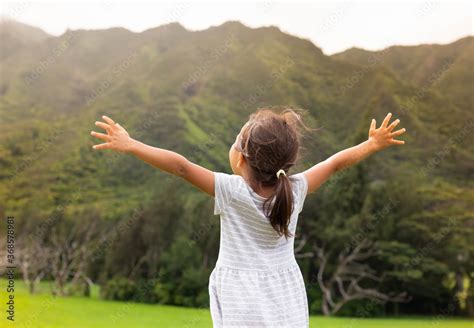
<point>280,213</point>
<point>270,142</point>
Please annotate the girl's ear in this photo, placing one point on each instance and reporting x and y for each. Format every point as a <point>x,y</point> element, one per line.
<point>240,160</point>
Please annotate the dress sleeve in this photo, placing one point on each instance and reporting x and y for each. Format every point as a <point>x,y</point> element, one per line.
<point>300,189</point>
<point>224,188</point>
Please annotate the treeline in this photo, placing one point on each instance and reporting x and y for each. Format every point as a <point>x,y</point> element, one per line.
<point>366,248</point>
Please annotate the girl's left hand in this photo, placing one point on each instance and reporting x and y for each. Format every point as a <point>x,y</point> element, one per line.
<point>117,138</point>
<point>383,137</point>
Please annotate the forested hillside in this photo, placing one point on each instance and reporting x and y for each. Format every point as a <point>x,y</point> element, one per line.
<point>409,207</point>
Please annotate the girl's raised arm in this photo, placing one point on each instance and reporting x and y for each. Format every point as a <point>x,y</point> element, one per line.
<point>118,139</point>
<point>379,139</point>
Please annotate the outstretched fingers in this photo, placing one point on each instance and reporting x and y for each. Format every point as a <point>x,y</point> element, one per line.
<point>108,120</point>
<point>393,124</point>
<point>101,146</point>
<point>109,127</point>
<point>395,134</point>
<point>397,142</point>
<point>373,124</point>
<point>398,132</point>
<point>104,126</point>
<point>102,136</point>
<point>386,120</point>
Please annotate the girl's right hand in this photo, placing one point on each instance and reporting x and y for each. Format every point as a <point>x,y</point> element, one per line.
<point>117,138</point>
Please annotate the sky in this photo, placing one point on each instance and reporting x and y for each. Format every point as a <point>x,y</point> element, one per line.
<point>333,26</point>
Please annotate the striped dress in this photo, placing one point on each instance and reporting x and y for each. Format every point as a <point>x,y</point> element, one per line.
<point>256,281</point>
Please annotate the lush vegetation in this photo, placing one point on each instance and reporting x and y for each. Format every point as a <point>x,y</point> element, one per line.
<point>84,216</point>
<point>44,311</point>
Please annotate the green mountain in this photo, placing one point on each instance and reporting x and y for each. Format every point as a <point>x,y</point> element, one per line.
<point>445,69</point>
<point>15,35</point>
<point>191,91</point>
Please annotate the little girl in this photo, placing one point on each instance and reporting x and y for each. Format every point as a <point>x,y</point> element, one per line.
<point>256,281</point>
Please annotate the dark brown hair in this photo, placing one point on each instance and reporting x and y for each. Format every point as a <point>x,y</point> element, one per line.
<point>271,142</point>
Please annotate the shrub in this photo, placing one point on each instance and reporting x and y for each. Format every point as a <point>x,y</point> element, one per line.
<point>120,289</point>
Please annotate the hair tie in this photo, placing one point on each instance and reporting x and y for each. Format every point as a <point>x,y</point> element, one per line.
<point>280,172</point>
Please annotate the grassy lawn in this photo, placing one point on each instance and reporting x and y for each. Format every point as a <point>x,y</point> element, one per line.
<point>43,310</point>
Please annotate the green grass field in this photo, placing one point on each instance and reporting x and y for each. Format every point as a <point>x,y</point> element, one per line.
<point>43,310</point>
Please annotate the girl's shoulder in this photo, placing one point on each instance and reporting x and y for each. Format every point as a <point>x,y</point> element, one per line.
<point>227,178</point>
<point>226,187</point>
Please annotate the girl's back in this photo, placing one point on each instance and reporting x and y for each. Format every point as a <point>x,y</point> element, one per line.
<point>256,281</point>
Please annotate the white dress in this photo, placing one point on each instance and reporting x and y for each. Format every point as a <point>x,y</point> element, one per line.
<point>256,281</point>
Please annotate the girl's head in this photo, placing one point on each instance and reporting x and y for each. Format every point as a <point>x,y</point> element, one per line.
<point>269,142</point>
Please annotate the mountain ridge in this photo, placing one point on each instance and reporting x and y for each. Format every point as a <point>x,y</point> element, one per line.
<point>177,25</point>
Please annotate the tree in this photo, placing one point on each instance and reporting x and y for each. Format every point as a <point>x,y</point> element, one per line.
<point>33,261</point>
<point>352,279</point>
<point>70,253</point>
